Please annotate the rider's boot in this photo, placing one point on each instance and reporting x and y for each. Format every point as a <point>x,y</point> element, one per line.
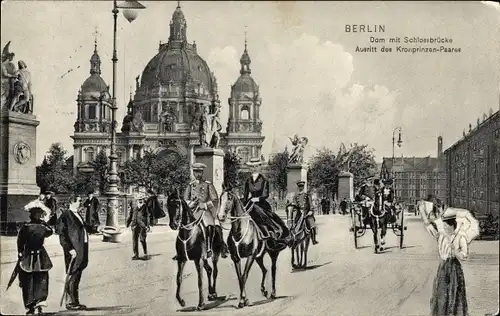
<point>314,234</point>
<point>225,249</point>
<point>210,238</point>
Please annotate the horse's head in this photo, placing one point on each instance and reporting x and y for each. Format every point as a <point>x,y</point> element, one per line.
<point>228,200</point>
<point>175,208</point>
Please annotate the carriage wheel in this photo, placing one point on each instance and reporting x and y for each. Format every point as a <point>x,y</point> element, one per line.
<point>402,229</point>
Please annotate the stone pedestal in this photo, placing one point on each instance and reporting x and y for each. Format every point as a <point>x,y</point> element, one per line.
<point>295,172</point>
<point>17,168</point>
<point>346,186</point>
<point>214,160</point>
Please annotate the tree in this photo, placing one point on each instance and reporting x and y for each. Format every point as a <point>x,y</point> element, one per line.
<point>325,167</point>
<point>84,182</point>
<point>159,174</point>
<point>323,172</point>
<point>231,163</point>
<point>54,174</point>
<point>278,172</point>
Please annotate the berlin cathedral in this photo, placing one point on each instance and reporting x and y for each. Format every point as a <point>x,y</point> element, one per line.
<point>164,114</point>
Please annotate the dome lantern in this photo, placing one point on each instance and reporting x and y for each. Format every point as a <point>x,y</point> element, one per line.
<point>178,26</point>
<point>245,60</point>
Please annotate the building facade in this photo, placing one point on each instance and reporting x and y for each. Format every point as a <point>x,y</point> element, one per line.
<point>473,168</point>
<point>175,89</point>
<point>417,177</point>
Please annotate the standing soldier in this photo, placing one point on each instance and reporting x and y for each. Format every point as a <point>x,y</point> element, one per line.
<point>138,220</point>
<point>51,203</point>
<point>303,201</point>
<point>92,206</point>
<point>202,198</point>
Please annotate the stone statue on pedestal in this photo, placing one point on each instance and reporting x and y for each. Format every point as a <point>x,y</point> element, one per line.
<point>299,143</point>
<point>209,128</point>
<point>343,158</point>
<point>16,84</point>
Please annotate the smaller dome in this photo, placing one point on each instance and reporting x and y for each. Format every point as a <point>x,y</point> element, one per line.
<point>245,58</point>
<point>94,83</point>
<point>245,83</point>
<point>178,15</point>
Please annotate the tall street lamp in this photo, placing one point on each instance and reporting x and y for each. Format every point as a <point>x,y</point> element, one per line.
<point>399,143</point>
<point>111,230</point>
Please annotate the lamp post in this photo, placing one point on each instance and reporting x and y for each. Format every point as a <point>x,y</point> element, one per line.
<point>399,143</point>
<point>111,230</point>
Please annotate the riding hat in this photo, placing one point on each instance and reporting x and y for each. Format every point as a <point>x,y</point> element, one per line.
<point>450,213</point>
<point>301,182</point>
<point>140,196</point>
<point>254,162</point>
<point>199,166</point>
<point>49,193</point>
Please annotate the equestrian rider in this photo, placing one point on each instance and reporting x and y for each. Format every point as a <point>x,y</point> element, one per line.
<point>202,198</point>
<point>303,201</point>
<point>255,197</point>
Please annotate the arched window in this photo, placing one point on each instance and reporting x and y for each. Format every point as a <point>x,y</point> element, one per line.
<point>245,113</point>
<point>90,154</point>
<point>92,112</point>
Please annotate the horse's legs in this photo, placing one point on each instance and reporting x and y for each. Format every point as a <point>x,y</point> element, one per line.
<point>208,269</point>
<point>260,262</point>
<point>248,265</point>
<point>274,258</point>
<point>293,255</point>
<point>180,269</point>
<point>383,230</point>
<point>374,228</point>
<point>306,250</point>
<point>237,267</point>
<point>215,261</point>
<point>199,269</point>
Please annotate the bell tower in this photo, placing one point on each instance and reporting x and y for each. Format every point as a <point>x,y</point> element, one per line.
<point>244,128</point>
<point>93,122</point>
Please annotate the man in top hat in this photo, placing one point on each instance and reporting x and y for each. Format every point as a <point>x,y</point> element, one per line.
<point>202,198</point>
<point>139,221</point>
<point>74,241</point>
<point>92,206</point>
<point>368,191</point>
<point>303,200</point>
<point>51,203</point>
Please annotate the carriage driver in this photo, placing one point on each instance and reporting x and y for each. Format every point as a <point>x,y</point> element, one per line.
<point>303,201</point>
<point>202,198</point>
<point>388,197</point>
<point>368,191</point>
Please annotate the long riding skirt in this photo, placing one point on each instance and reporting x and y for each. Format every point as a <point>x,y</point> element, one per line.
<point>262,214</point>
<point>35,287</point>
<point>448,296</point>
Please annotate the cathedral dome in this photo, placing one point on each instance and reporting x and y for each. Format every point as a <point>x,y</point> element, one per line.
<point>176,64</point>
<point>94,83</point>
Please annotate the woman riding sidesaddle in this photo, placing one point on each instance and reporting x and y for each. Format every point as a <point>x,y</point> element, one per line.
<point>255,196</point>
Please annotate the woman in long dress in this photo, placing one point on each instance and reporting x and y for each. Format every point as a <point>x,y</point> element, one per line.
<point>257,192</point>
<point>34,262</point>
<point>449,294</point>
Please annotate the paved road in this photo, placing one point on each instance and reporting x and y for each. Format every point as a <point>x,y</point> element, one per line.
<point>341,281</point>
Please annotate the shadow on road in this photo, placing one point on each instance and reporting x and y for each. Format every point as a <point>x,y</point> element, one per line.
<point>107,309</point>
<point>256,303</point>
<point>149,257</point>
<point>310,267</point>
<point>214,304</point>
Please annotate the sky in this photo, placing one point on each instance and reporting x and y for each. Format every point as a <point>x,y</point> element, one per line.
<point>312,80</point>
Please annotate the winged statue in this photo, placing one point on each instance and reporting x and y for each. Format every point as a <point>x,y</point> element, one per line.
<point>344,157</point>
<point>299,143</point>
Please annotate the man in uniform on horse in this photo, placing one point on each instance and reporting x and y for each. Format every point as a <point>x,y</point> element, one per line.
<point>202,198</point>
<point>303,201</point>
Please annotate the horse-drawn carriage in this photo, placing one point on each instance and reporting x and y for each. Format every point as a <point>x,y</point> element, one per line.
<point>366,214</point>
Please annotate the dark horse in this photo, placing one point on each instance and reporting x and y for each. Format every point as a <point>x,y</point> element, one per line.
<point>245,241</point>
<point>301,237</point>
<point>191,245</point>
<point>379,216</point>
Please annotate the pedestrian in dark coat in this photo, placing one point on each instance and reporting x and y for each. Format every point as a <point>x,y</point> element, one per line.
<point>139,221</point>
<point>74,240</point>
<point>343,206</point>
<point>51,203</point>
<point>92,206</point>
<point>34,262</point>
